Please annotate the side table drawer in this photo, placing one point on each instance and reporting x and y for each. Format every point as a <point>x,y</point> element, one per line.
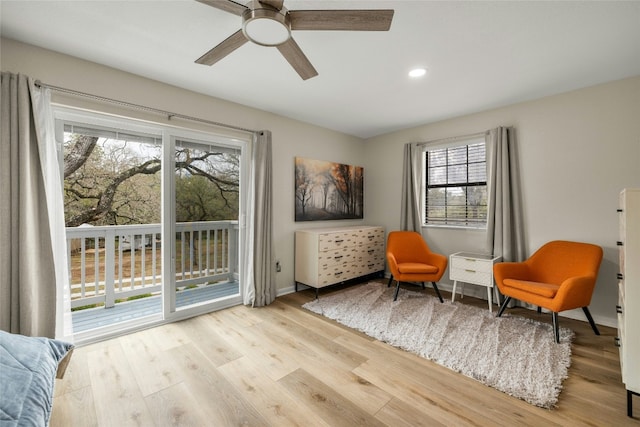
<point>471,276</point>
<point>476,265</point>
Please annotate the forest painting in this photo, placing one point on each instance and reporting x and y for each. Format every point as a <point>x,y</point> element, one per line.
<point>327,190</point>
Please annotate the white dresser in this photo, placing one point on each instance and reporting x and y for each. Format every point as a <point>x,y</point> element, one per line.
<point>326,256</point>
<point>629,293</point>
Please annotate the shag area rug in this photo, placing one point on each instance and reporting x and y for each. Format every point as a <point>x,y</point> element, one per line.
<point>515,355</point>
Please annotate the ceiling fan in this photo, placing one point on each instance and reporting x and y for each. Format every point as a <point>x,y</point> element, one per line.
<point>269,23</point>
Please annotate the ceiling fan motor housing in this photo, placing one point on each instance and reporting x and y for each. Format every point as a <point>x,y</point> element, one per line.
<point>266,25</point>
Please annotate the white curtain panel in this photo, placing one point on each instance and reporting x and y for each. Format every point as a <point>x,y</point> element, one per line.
<point>505,228</point>
<point>259,262</point>
<point>33,279</point>
<point>50,167</point>
<point>411,176</point>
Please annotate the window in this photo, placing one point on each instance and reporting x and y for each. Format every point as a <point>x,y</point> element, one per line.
<point>456,185</point>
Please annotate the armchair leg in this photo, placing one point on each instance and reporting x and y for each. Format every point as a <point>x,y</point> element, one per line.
<point>395,296</point>
<point>390,280</point>
<point>539,309</point>
<point>590,319</point>
<point>437,290</point>
<point>422,283</point>
<point>556,328</point>
<point>503,306</point>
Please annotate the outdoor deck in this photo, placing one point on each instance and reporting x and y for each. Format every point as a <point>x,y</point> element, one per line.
<point>84,320</point>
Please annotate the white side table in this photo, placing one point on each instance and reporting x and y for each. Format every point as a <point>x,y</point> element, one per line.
<point>473,268</point>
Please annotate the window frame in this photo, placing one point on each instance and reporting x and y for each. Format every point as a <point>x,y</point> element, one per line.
<point>452,143</point>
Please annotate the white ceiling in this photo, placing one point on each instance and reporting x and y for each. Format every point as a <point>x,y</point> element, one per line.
<point>479,55</point>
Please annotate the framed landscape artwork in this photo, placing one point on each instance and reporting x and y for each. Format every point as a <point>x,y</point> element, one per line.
<point>328,191</point>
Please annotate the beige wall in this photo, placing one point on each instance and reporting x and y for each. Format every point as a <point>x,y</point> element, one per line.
<point>290,138</point>
<point>577,151</point>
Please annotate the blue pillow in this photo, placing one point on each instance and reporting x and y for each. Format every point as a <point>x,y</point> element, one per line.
<point>28,368</point>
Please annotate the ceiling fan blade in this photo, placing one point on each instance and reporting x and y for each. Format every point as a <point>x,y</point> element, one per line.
<point>294,55</point>
<point>276,4</point>
<point>341,20</point>
<point>226,5</point>
<point>230,44</point>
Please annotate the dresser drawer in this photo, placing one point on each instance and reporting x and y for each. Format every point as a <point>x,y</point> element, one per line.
<point>336,256</point>
<point>620,339</point>
<point>372,265</point>
<point>334,274</point>
<point>330,241</point>
<point>371,236</point>
<point>373,251</point>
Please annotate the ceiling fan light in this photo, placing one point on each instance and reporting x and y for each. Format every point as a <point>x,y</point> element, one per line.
<point>417,72</point>
<point>266,27</point>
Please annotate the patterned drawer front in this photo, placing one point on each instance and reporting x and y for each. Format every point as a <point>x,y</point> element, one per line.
<point>330,241</point>
<point>337,256</point>
<point>620,309</point>
<point>475,265</point>
<point>471,276</point>
<point>354,236</point>
<point>621,328</point>
<point>352,272</point>
<point>334,274</point>
<point>369,252</point>
<point>372,265</point>
<point>372,236</point>
<point>621,258</point>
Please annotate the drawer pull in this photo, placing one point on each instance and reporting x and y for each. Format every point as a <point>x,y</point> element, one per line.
<point>619,210</point>
<point>619,243</point>
<point>618,309</point>
<point>337,257</point>
<point>470,271</point>
<point>616,341</point>
<point>620,276</point>
<point>470,259</point>
<point>339,241</point>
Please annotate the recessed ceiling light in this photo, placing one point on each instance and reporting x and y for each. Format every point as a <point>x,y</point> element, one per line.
<point>417,72</point>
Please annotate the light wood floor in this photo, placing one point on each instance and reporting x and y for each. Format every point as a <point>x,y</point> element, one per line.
<point>284,366</point>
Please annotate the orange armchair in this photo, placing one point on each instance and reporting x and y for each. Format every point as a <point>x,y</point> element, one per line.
<point>559,276</point>
<point>410,260</point>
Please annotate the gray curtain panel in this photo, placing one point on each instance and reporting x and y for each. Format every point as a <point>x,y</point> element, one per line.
<point>505,228</point>
<point>410,202</point>
<point>264,270</point>
<point>27,270</point>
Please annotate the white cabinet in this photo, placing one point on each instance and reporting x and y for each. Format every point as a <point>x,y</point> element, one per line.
<point>326,256</point>
<point>472,268</point>
<point>629,293</point>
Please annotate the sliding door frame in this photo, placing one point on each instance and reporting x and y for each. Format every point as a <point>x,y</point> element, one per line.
<point>168,134</point>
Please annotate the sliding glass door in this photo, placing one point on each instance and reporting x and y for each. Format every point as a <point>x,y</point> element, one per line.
<point>152,221</point>
<point>207,197</point>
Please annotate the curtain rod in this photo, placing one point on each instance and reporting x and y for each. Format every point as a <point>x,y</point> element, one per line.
<point>169,114</point>
<point>453,138</point>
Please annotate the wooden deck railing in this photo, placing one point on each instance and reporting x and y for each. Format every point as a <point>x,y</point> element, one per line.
<point>108,264</point>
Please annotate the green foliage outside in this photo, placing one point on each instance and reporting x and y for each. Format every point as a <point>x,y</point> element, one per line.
<point>115,182</point>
